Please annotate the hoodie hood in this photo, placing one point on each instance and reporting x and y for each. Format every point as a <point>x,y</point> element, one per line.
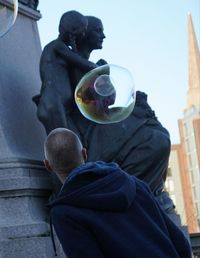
<point>98,186</point>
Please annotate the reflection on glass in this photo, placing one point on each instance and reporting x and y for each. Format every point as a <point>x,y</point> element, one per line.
<point>8,15</point>
<point>106,94</point>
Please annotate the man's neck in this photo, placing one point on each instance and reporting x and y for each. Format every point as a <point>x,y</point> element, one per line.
<point>84,52</point>
<point>63,175</point>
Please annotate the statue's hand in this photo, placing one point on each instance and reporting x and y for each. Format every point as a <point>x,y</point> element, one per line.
<point>101,62</point>
<point>93,65</point>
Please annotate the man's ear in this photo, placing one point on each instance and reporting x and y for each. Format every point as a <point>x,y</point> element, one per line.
<point>84,153</point>
<point>47,165</point>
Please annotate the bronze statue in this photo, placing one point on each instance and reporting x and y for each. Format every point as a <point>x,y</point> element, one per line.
<point>139,144</point>
<point>56,100</point>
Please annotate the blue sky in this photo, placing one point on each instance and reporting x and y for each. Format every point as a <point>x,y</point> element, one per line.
<point>149,38</point>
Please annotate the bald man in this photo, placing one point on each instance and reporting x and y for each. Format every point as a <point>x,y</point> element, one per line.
<point>102,212</point>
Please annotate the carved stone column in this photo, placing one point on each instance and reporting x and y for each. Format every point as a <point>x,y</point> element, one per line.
<point>24,183</point>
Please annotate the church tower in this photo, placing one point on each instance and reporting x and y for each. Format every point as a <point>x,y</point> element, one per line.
<point>184,163</point>
<point>193,95</point>
<point>189,125</point>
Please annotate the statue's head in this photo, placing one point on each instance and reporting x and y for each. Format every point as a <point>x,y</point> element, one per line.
<point>94,34</point>
<point>73,24</point>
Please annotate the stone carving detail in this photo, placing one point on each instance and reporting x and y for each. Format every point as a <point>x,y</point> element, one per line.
<point>30,3</point>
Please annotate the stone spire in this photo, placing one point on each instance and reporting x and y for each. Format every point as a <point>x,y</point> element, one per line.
<point>193,94</point>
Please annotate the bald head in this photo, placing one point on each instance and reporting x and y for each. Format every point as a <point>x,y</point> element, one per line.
<point>63,150</point>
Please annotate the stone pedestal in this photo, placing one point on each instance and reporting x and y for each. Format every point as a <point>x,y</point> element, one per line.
<point>24,183</point>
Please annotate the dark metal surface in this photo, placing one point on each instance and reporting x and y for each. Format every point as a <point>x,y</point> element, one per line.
<point>195,242</point>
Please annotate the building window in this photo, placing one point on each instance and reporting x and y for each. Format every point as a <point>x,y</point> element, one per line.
<point>169,172</point>
<point>192,176</point>
<point>197,211</point>
<point>187,145</point>
<point>185,129</point>
<point>194,192</point>
<point>190,161</point>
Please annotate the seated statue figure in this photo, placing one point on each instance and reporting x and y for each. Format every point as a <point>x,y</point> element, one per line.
<point>139,144</point>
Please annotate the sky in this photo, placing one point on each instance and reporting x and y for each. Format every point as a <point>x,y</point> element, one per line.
<point>149,38</point>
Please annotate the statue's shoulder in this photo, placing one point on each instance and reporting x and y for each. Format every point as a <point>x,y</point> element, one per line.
<point>54,45</point>
<point>51,44</point>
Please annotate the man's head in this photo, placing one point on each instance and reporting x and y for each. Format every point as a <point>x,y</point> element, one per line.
<point>63,152</point>
<point>95,33</point>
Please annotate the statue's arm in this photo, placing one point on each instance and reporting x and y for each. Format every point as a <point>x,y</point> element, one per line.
<point>101,62</point>
<point>74,59</point>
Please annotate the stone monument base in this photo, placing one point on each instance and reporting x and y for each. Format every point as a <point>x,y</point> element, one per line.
<point>25,187</point>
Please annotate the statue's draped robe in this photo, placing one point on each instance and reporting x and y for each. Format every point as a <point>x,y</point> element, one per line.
<point>139,144</point>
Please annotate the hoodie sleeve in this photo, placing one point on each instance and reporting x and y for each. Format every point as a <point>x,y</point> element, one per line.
<point>177,237</point>
<point>180,242</point>
<point>76,240</point>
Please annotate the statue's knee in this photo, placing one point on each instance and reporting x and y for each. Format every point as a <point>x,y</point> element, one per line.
<point>42,114</point>
<point>47,111</point>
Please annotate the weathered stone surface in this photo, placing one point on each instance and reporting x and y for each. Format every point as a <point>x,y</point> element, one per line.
<point>25,185</point>
<point>37,247</point>
<point>21,135</point>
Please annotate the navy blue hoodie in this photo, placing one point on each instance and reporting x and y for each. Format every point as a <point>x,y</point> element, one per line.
<point>101,211</point>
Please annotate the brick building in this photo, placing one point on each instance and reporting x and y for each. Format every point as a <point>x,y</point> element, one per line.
<point>183,181</point>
